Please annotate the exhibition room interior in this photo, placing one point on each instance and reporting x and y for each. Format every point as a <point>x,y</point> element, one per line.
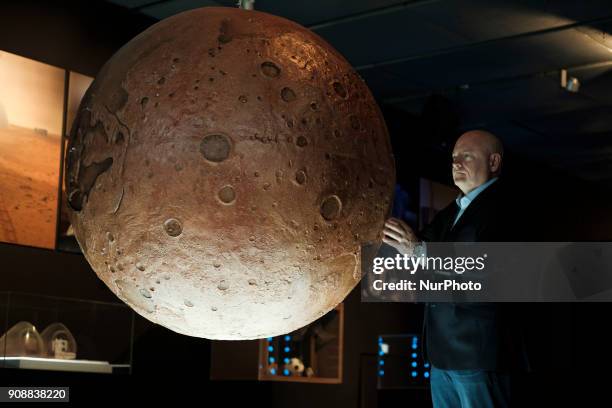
<point>537,74</point>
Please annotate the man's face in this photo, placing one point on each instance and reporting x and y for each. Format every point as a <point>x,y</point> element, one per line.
<point>470,163</point>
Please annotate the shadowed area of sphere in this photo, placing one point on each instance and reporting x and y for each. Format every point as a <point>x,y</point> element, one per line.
<point>224,170</point>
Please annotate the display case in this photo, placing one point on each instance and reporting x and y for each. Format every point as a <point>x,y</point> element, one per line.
<point>400,362</point>
<point>51,333</point>
<point>312,354</point>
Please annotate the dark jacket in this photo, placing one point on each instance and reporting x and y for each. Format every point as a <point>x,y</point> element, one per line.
<point>475,335</point>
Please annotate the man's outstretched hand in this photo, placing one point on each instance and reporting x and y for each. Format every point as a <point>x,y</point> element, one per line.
<point>399,235</point>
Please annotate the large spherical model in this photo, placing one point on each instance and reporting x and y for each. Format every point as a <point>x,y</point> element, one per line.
<point>224,170</point>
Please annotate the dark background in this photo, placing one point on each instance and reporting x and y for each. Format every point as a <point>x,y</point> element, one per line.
<point>437,68</point>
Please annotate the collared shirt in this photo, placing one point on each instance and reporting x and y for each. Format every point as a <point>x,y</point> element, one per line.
<point>464,201</point>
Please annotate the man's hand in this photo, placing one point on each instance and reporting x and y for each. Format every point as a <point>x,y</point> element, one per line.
<point>399,235</point>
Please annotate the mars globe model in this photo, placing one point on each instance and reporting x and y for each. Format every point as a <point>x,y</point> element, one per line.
<point>224,171</point>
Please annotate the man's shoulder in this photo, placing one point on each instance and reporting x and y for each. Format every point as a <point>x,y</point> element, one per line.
<point>497,192</point>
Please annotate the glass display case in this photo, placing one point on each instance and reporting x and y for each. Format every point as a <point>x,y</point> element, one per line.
<point>400,362</point>
<point>312,354</point>
<point>62,334</point>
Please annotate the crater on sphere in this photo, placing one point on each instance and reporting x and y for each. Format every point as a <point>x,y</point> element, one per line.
<point>300,177</point>
<point>340,90</point>
<point>173,227</point>
<point>301,141</point>
<point>215,147</point>
<point>331,207</point>
<point>227,195</point>
<point>288,95</point>
<point>270,69</point>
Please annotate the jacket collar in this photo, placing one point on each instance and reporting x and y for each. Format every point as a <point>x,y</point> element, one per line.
<point>473,207</point>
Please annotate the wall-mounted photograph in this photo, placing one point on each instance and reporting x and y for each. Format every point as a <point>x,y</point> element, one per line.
<point>31,114</point>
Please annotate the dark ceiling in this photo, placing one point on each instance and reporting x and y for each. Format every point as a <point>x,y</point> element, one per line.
<point>496,62</point>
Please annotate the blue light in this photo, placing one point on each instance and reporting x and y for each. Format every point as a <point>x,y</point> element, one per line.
<point>381,372</point>
<point>381,362</point>
<point>287,338</point>
<point>286,360</point>
<point>414,364</point>
<point>414,338</point>
<point>414,355</point>
<point>426,365</point>
<point>380,340</point>
<point>270,338</point>
<point>414,346</point>
<point>426,374</point>
<point>270,349</point>
<point>271,360</point>
<point>273,371</point>
<point>414,374</point>
<point>381,353</point>
<point>287,349</point>
<point>286,372</point>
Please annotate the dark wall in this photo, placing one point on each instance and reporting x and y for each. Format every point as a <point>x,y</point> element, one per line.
<point>50,273</point>
<point>72,34</point>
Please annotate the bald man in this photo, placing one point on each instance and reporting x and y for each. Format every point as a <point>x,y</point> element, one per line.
<point>469,345</point>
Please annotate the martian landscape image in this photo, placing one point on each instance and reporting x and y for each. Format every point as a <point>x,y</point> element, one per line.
<point>223,172</point>
<point>31,110</point>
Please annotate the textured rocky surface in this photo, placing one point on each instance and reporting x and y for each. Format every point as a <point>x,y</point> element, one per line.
<point>224,169</point>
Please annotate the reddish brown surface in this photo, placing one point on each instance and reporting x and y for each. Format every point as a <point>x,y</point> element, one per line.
<point>29,177</point>
<point>225,169</point>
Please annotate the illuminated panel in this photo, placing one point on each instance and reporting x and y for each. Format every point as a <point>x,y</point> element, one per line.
<point>310,354</point>
<point>31,110</point>
<point>400,362</point>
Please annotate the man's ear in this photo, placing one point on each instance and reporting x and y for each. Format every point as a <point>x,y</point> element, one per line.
<point>495,162</point>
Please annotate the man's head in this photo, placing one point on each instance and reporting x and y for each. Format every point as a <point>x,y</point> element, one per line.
<point>477,158</point>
